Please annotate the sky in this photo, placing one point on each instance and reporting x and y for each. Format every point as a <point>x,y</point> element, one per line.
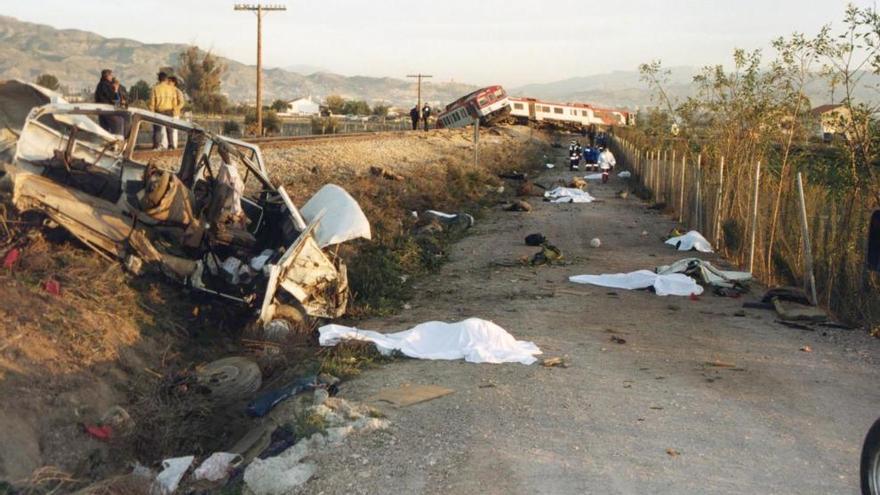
<point>511,42</point>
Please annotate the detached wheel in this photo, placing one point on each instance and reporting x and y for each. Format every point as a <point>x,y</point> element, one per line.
<point>231,378</point>
<point>870,471</point>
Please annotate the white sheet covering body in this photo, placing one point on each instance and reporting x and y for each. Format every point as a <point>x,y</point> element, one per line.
<point>674,284</point>
<point>707,271</point>
<point>568,195</point>
<point>691,240</point>
<point>342,220</point>
<point>474,340</point>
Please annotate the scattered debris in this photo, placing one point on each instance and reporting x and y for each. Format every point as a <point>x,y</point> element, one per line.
<point>217,467</point>
<point>173,469</point>
<point>547,255</point>
<point>285,472</point>
<point>529,188</point>
<point>595,242</point>
<point>549,165</point>
<point>618,340</point>
<point>450,221</point>
<point>385,173</point>
<point>11,258</point>
<point>513,175</point>
<point>672,452</point>
<point>535,239</point>
<point>626,174</point>
<point>474,340</point>
<point>623,194</point>
<point>806,348</point>
<point>261,406</point>
<point>596,176</point>
<point>554,362</point>
<point>518,205</point>
<point>690,241</point>
<point>719,364</point>
<point>577,183</point>
<point>792,311</point>
<point>407,395</point>
<point>102,433</point>
<point>230,378</point>
<point>52,286</point>
<point>705,272</point>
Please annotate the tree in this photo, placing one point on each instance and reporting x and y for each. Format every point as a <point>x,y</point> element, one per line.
<point>201,73</point>
<point>279,105</point>
<point>380,110</point>
<point>335,103</point>
<point>48,81</point>
<point>356,107</point>
<point>271,122</point>
<point>140,91</point>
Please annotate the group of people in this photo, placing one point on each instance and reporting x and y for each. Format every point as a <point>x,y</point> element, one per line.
<point>595,156</point>
<point>166,98</point>
<point>424,115</point>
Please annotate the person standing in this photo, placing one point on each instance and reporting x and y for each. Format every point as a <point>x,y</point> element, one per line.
<point>120,101</point>
<point>163,100</point>
<point>178,109</point>
<point>426,114</point>
<point>591,132</point>
<point>606,163</point>
<point>104,93</point>
<point>414,116</point>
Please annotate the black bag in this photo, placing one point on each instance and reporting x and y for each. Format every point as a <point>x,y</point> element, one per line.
<point>535,239</point>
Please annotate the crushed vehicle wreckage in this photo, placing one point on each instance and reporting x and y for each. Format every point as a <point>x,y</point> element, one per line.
<point>266,254</point>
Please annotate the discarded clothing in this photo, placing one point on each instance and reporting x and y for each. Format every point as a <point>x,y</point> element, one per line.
<point>691,240</point>
<point>547,255</point>
<point>518,205</point>
<point>217,466</point>
<point>674,284</point>
<point>568,195</point>
<point>705,272</point>
<point>341,217</point>
<point>465,220</point>
<point>474,340</point>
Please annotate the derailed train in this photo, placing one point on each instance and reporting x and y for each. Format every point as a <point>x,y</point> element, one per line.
<point>492,104</point>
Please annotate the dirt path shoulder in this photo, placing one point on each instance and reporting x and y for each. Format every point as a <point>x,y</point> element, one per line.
<point>647,416</point>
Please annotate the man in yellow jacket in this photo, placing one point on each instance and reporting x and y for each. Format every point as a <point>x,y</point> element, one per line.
<point>165,99</point>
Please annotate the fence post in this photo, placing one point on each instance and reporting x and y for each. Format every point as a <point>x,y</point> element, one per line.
<point>809,275</point>
<point>476,142</point>
<point>670,182</point>
<point>698,177</point>
<point>681,198</point>
<point>754,218</point>
<point>717,226</point>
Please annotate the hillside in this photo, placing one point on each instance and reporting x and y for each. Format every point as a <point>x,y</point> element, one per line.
<point>77,57</point>
<point>625,89</point>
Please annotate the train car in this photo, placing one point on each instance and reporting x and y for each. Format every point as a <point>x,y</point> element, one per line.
<point>489,104</point>
<point>568,115</point>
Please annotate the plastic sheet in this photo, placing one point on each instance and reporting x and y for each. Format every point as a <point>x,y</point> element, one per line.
<point>474,340</point>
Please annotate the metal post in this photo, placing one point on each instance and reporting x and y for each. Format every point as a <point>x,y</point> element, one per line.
<point>476,142</point>
<point>681,198</point>
<point>419,77</point>
<point>754,217</point>
<point>698,177</point>
<point>809,275</point>
<point>717,226</point>
<point>670,181</point>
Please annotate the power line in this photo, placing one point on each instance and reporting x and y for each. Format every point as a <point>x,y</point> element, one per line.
<point>259,9</point>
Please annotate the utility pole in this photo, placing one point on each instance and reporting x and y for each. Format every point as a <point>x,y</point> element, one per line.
<point>419,76</point>
<point>259,9</point>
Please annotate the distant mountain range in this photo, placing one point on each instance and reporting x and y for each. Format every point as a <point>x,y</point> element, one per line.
<point>625,89</point>
<point>76,58</point>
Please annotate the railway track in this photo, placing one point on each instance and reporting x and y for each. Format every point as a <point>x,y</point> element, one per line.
<point>284,141</point>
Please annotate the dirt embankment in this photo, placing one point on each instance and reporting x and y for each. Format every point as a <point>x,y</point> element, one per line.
<point>108,339</point>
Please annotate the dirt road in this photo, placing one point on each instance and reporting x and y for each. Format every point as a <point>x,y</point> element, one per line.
<point>647,416</point>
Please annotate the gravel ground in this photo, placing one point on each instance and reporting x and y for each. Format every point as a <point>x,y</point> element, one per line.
<point>647,416</point>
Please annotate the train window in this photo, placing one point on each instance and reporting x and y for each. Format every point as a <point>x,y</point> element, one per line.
<point>557,110</point>
<point>545,109</point>
<point>518,106</point>
<point>482,101</point>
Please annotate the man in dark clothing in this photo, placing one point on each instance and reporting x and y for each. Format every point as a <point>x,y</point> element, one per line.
<point>591,132</point>
<point>426,113</point>
<point>105,93</point>
<point>414,116</point>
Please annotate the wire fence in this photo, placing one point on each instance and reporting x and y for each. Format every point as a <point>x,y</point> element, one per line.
<point>760,222</point>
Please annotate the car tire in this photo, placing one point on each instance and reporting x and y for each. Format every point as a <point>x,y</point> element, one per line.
<point>870,465</point>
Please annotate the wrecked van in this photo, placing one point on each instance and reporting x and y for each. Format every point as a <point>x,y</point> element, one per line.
<point>150,216</point>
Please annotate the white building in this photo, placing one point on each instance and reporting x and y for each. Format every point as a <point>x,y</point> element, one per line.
<point>302,106</point>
